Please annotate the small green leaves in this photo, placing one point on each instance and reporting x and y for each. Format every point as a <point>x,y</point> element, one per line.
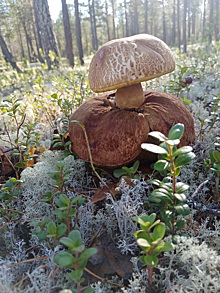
<point>176,132</point>
<point>64,259</point>
<point>75,257</point>
<point>150,239</point>
<point>51,228</point>
<point>182,150</point>
<point>153,148</point>
<point>214,156</point>
<point>143,242</point>
<point>61,230</point>
<point>158,232</point>
<point>184,159</point>
<point>158,135</point>
<point>169,196</point>
<point>162,247</point>
<point>162,165</point>
<point>180,224</point>
<point>150,260</point>
<point>127,171</point>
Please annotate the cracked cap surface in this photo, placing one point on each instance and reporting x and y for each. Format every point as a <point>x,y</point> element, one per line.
<point>128,61</point>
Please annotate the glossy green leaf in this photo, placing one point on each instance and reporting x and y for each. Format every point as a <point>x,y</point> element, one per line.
<point>162,247</point>
<point>158,135</point>
<point>180,224</point>
<point>161,165</point>
<point>119,173</point>
<point>182,150</point>
<point>158,232</point>
<point>181,187</point>
<point>180,197</point>
<point>150,260</point>
<point>68,143</point>
<point>173,142</point>
<point>177,172</point>
<point>75,236</point>
<point>145,219</point>
<point>183,210</point>
<point>61,229</point>
<point>216,156</point>
<point>176,131</point>
<point>135,166</point>
<point>79,248</point>
<point>143,242</point>
<point>64,259</point>
<point>144,235</point>
<point>51,228</point>
<point>160,196</point>
<point>184,159</point>
<point>88,253</point>
<point>75,275</point>
<point>153,148</point>
<point>155,182</point>
<point>68,242</point>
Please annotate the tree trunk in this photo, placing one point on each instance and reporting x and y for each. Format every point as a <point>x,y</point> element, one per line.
<point>78,32</point>
<point>107,23</point>
<point>211,19</point>
<point>113,19</point>
<point>8,55</point>
<point>31,53</point>
<point>68,35</point>
<point>45,31</point>
<point>204,20</point>
<point>164,23</point>
<point>36,35</point>
<point>216,23</point>
<point>184,26</point>
<point>173,36</point>
<point>21,43</point>
<point>135,18</point>
<point>178,25</point>
<point>126,19</point>
<point>189,21</point>
<point>93,25</point>
<point>146,16</point>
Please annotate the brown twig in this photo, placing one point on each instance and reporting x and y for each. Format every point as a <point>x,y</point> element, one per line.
<point>102,279</point>
<point>29,260</point>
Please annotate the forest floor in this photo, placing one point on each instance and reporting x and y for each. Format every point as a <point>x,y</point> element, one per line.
<point>54,208</point>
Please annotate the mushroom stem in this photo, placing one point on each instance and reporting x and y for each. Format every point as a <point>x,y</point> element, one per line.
<point>130,97</point>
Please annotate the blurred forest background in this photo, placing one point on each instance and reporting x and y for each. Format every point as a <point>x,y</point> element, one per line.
<point>28,34</point>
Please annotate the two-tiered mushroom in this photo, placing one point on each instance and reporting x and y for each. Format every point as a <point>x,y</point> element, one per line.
<point>117,123</point>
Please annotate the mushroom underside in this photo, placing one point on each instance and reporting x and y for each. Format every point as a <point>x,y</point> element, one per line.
<point>115,135</point>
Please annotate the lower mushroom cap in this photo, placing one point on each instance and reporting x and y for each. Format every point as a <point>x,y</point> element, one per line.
<point>163,111</point>
<point>115,135</point>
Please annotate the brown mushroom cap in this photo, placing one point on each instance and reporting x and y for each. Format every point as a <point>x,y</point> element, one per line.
<point>163,111</point>
<point>128,61</point>
<point>115,135</point>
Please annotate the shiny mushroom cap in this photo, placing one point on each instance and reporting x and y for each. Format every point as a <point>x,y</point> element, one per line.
<point>128,61</point>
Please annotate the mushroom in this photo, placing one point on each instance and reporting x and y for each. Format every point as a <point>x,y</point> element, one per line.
<point>118,123</point>
<point>124,63</point>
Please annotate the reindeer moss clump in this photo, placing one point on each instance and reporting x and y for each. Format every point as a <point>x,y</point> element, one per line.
<point>37,180</point>
<point>193,268</point>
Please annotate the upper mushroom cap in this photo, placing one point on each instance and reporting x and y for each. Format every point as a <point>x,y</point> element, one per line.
<point>128,61</point>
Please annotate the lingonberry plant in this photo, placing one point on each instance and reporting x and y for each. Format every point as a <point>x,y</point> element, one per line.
<point>75,258</point>
<point>130,172</point>
<point>150,239</point>
<point>63,209</point>
<point>169,197</point>
<point>214,164</point>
